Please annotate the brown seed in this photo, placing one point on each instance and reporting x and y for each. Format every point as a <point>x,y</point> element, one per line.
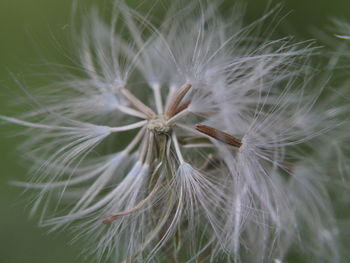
<point>219,135</point>
<point>175,102</point>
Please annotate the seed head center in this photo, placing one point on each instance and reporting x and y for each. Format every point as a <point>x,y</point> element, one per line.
<point>158,124</point>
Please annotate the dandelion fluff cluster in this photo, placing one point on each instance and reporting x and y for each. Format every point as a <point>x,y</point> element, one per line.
<point>193,139</point>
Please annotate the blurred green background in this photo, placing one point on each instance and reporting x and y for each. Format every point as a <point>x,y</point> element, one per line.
<point>29,30</point>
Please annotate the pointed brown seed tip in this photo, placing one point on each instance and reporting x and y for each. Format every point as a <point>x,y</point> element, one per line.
<point>219,135</point>
<point>108,220</point>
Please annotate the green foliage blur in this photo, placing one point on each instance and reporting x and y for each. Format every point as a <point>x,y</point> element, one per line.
<point>33,30</point>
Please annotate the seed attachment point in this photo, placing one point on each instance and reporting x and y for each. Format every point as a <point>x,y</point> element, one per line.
<point>159,125</point>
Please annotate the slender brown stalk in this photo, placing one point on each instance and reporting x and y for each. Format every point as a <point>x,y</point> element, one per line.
<point>141,204</point>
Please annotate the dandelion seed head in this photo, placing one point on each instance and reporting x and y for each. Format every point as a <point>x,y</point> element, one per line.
<point>211,118</point>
